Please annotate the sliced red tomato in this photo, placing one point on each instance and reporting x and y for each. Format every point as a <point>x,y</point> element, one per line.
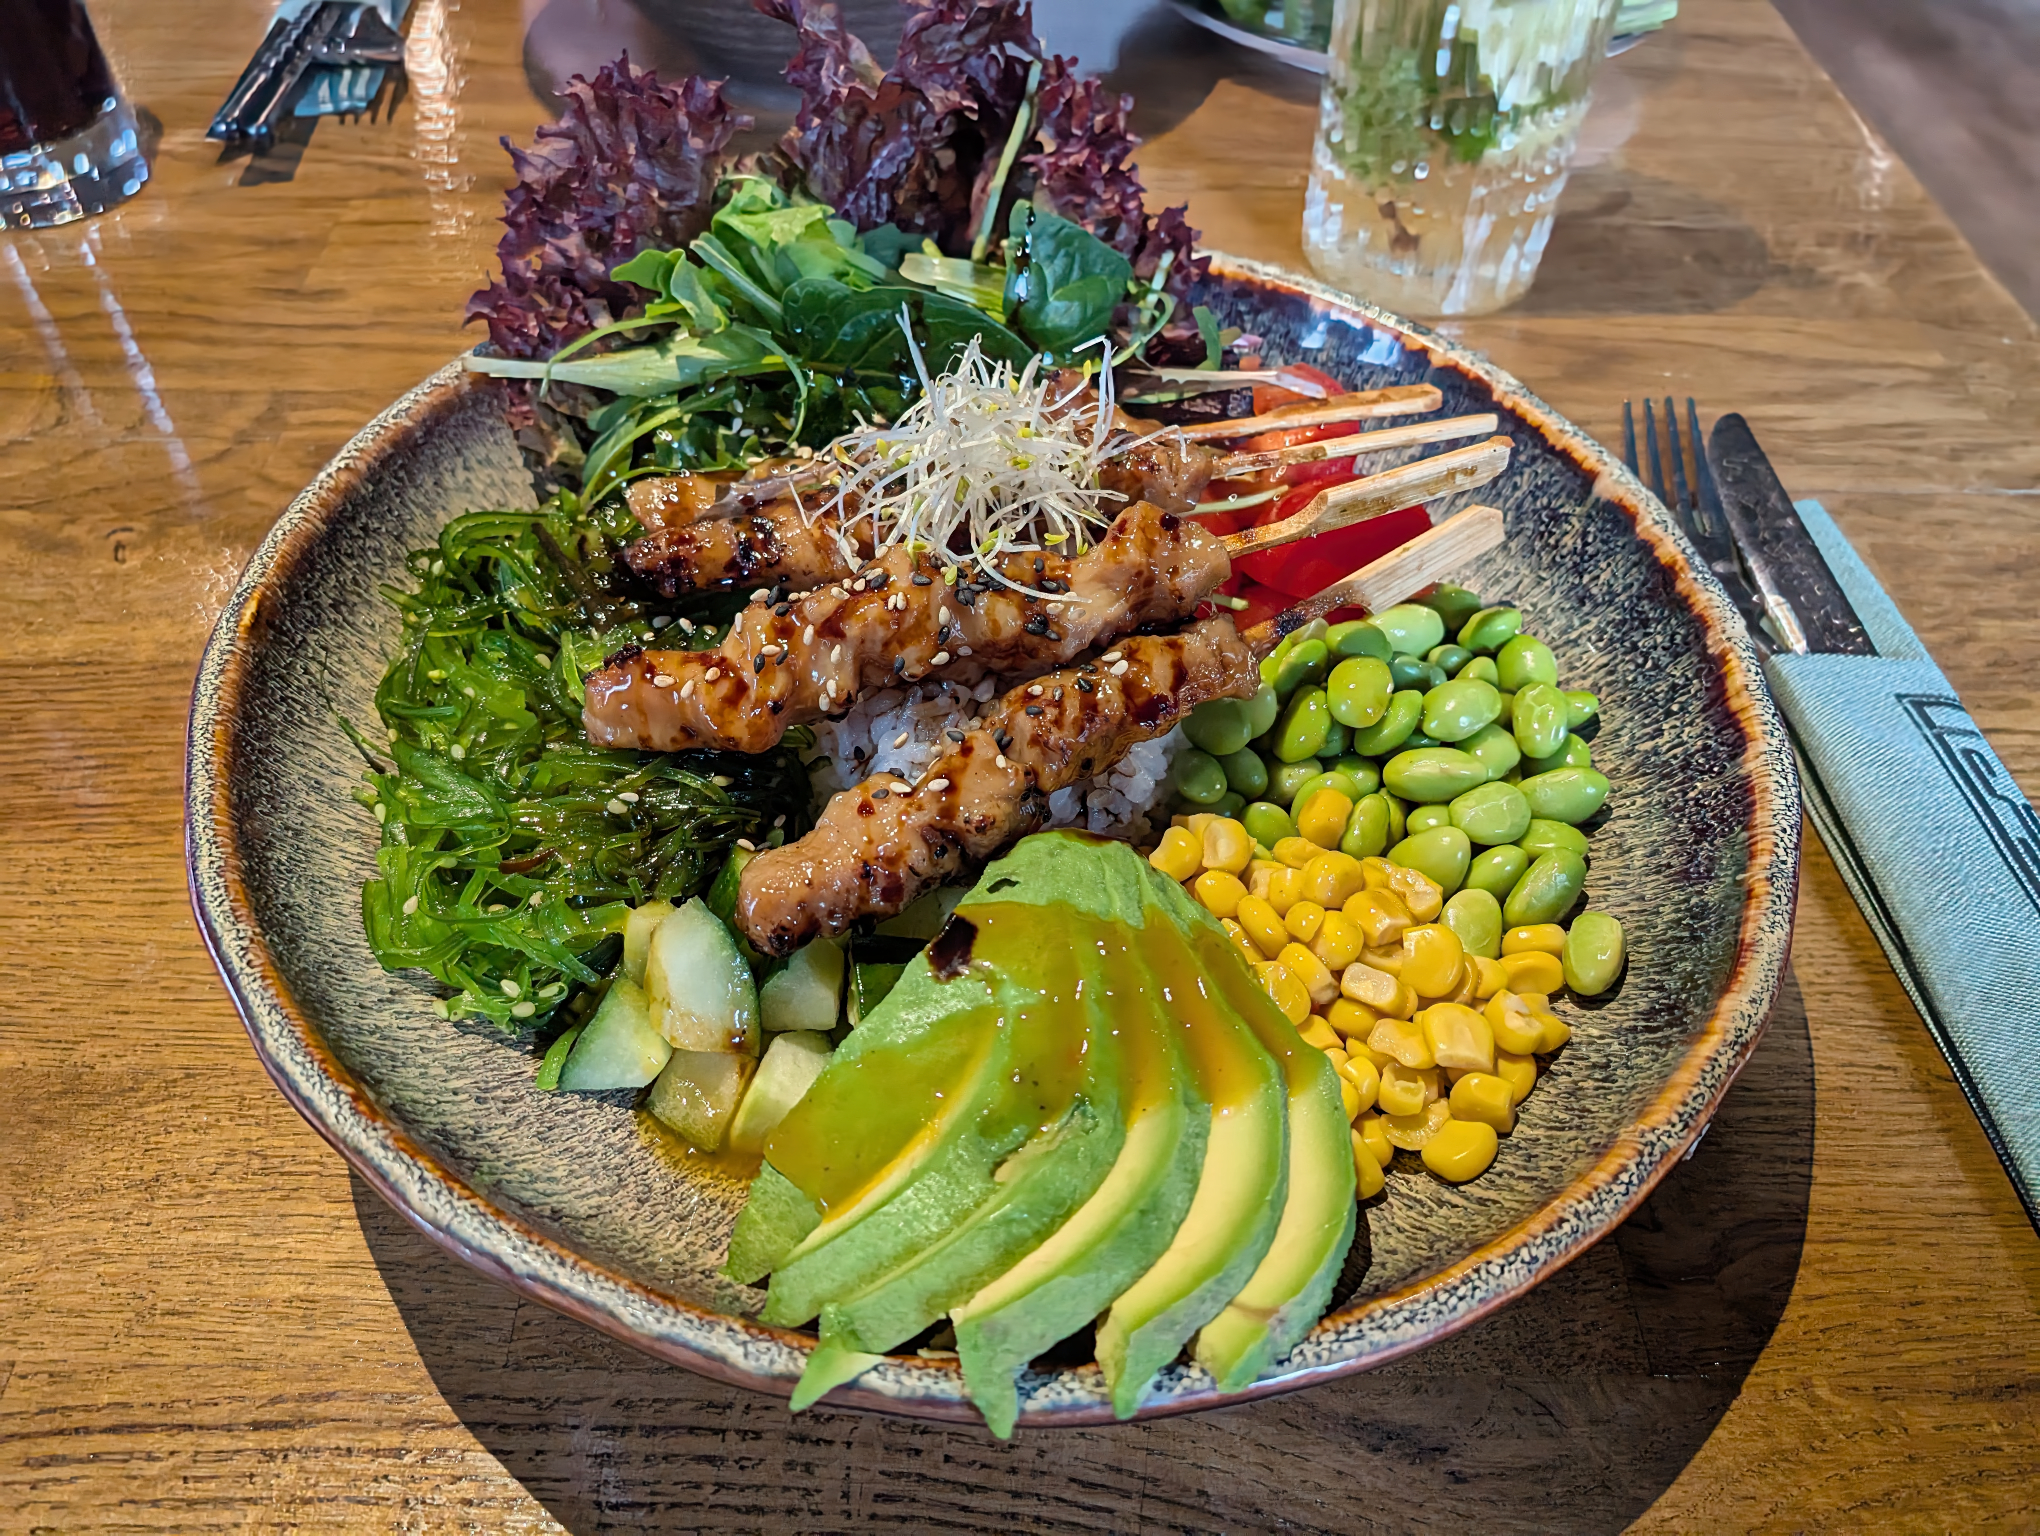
<point>1268,397</point>
<point>1314,564</point>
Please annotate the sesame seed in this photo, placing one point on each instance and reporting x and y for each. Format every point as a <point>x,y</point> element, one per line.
<point>923,580</point>
<point>617,808</point>
<point>686,688</point>
<point>761,594</point>
<point>1112,655</point>
<point>722,781</point>
<point>523,1010</point>
<point>1119,669</point>
<point>629,797</point>
<point>900,740</point>
<point>903,789</point>
<point>835,654</point>
<point>457,752</point>
<point>807,636</point>
<point>382,813</point>
<point>660,621</point>
<point>1034,692</point>
<point>510,988</point>
<point>686,625</point>
<point>712,674</point>
<point>963,650</point>
<point>747,845</point>
<point>662,680</point>
<point>495,906</point>
<point>941,658</point>
<point>954,735</point>
<point>936,786</point>
<point>779,820</point>
<point>1034,709</point>
<point>880,793</point>
<point>1001,761</point>
<point>857,585</point>
<point>410,905</point>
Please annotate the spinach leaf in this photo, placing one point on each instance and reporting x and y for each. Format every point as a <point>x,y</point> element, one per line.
<point>1062,283</point>
<point>830,324</point>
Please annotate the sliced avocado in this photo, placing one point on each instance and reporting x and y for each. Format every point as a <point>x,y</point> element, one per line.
<point>1286,1295</point>
<point>926,917</point>
<point>806,992</point>
<point>618,1048</point>
<point>790,1066</point>
<point>1118,1233</point>
<point>1241,1191</point>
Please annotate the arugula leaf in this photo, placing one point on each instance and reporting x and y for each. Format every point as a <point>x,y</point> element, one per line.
<point>677,361</point>
<point>1063,283</point>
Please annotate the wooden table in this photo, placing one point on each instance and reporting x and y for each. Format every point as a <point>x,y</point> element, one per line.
<point>1830,1317</point>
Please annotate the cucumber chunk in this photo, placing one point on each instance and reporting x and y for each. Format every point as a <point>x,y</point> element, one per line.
<point>697,1094</point>
<point>701,994</point>
<point>807,993</point>
<point>638,929</point>
<point>792,1062</point>
<point>618,1048</point>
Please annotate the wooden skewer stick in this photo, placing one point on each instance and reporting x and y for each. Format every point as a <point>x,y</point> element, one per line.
<point>1397,576</point>
<point>1356,501</point>
<point>1396,400</point>
<point>1235,465</point>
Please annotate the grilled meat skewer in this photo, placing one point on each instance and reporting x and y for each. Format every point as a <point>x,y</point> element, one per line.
<point>880,845</point>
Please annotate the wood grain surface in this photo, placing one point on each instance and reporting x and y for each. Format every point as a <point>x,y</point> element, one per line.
<point>1827,1319</point>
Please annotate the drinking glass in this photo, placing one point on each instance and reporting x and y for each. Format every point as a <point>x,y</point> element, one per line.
<point>1444,134</point>
<point>68,146</point>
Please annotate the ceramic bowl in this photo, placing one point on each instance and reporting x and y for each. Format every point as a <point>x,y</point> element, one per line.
<point>565,1197</point>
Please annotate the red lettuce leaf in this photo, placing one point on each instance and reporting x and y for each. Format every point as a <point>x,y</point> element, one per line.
<point>631,163</point>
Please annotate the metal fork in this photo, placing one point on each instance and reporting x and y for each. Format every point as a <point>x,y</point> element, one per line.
<point>1694,501</point>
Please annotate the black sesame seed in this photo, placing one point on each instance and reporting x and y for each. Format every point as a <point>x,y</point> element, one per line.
<point>899,665</point>
<point>1035,625</point>
<point>1034,709</point>
<point>1002,738</point>
<point>878,580</point>
<point>954,735</point>
<point>1085,685</point>
<point>922,579</point>
<point>880,794</point>
<point>759,664</point>
<point>1038,564</point>
<point>1057,696</point>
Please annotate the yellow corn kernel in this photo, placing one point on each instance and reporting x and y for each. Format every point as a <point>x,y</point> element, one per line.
<point>1380,915</point>
<point>1240,940</point>
<point>1535,939</point>
<point>1406,1090</point>
<point>1488,977</point>
<point>1285,889</point>
<point>1419,892</point>
<point>1402,1041</point>
<point>1289,994</point>
<point>1512,1024</point>
<point>1365,1080</point>
<point>1178,854</point>
<point>1261,876</point>
<point>1303,921</point>
<point>1460,1150</point>
<point>1335,1054</point>
<point>1180,821</point>
<point>1349,1098</point>
<point>1323,817</point>
<point>1373,1130</point>
<point>1464,992</point>
<point>1331,878</point>
<point>1322,985</point>
<point>1196,824</point>
<point>1376,989</point>
<point>1432,960</point>
<point>1350,1018</point>
<point>1411,1132</point>
<point>1453,1074</point>
<point>1226,845</point>
<point>1389,959</point>
<point>1519,1072</point>
<point>1532,970</point>
<point>1368,1177</point>
<point>1552,1032</point>
<point>1219,891</point>
<point>1485,1097</point>
<point>1262,925</point>
<point>1458,1037</point>
<point>1317,1032</point>
<point>1297,851</point>
<point>1338,942</point>
<point>1374,872</point>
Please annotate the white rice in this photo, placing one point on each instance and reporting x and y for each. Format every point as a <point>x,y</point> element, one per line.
<point>867,741</point>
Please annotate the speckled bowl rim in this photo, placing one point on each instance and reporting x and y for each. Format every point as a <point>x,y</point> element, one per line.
<point>512,1251</point>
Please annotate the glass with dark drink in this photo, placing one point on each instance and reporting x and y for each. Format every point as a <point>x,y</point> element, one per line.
<point>68,146</point>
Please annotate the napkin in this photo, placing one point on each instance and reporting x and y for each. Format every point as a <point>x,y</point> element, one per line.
<point>1937,845</point>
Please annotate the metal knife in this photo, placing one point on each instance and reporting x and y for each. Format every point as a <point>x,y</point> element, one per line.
<point>1804,606</point>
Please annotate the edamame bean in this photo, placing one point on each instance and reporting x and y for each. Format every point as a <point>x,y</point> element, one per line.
<point>1198,776</point>
<point>1526,660</point>
<point>1574,754</point>
<point>1246,772</point>
<point>1398,817</point>
<point>1539,720</point>
<point>1360,771</point>
<point>1454,604</point>
<point>1425,817</point>
<point>1367,828</point>
<point>1359,689</point>
<point>1456,710</point>
<point>1547,890</point>
<point>1412,629</point>
<point>1285,779</point>
<point>1442,853</point>
<point>1476,917</point>
<point>1272,662</point>
<point>1331,778</point>
<point>1496,749</point>
<point>1481,669</point>
<point>1542,837</point>
<point>1338,738</point>
<point>1492,813</point>
<point>1307,662</point>
<point>1593,953</point>
<point>1581,706</point>
<point>1496,870</point>
<point>1262,709</point>
<point>1410,672</point>
<point>1566,794</point>
<point>1449,658</point>
<point>1300,731</point>
<point>1430,775</point>
<point>1358,637</point>
<point>1219,726</point>
<point>1231,803</point>
<point>1490,629</point>
<point>1417,739</point>
<point>1405,709</point>
<point>1267,823</point>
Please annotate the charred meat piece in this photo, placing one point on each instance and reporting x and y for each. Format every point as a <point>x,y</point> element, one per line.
<point>897,621</point>
<point>879,845</point>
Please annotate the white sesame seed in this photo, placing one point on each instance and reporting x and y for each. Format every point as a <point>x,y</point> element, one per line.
<point>941,658</point>
<point>747,845</point>
<point>857,585</point>
<point>629,797</point>
<point>495,906</point>
<point>617,808</point>
<point>807,636</point>
<point>522,1010</point>
<point>1034,691</point>
<point>686,625</point>
<point>1112,655</point>
<point>510,988</point>
<point>457,752</point>
<point>779,820</point>
<point>1119,669</point>
<point>686,688</point>
<point>662,680</point>
<point>660,621</point>
<point>410,905</point>
<point>903,789</point>
<point>936,786</point>
<point>711,674</point>
<point>1001,760</point>
<point>835,655</point>
<point>761,594</point>
<point>963,650</point>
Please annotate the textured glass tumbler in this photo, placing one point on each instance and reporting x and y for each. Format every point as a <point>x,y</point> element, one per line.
<point>1444,134</point>
<point>68,143</point>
